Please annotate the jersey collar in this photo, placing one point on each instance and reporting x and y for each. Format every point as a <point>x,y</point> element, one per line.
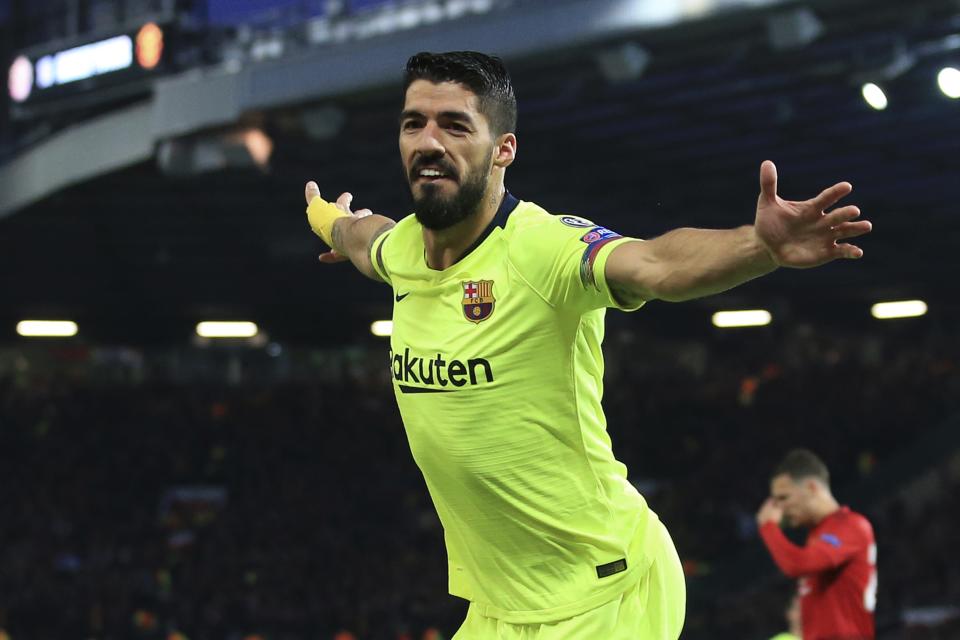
<point>507,205</point>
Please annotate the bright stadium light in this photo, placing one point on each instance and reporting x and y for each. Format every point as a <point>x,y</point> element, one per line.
<point>874,96</point>
<point>20,79</point>
<point>47,328</point>
<point>87,61</point>
<point>745,318</point>
<point>949,81</point>
<point>211,329</point>
<point>898,309</point>
<point>382,328</point>
<point>149,45</point>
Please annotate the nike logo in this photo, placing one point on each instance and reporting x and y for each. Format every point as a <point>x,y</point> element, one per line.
<point>398,297</point>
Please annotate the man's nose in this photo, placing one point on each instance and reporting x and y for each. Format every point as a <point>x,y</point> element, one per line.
<point>428,142</point>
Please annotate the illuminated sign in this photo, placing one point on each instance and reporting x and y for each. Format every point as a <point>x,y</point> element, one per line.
<point>84,62</point>
<point>149,45</point>
<point>33,79</point>
<point>20,80</point>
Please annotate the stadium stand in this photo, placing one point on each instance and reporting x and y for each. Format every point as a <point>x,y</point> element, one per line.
<point>319,521</point>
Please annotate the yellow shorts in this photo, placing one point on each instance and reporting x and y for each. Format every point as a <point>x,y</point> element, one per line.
<point>653,609</point>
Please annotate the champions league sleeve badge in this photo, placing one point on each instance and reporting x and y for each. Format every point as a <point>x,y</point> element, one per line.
<point>594,239</point>
<point>478,300</point>
<point>576,222</point>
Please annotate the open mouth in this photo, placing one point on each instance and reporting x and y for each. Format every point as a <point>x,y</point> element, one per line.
<point>432,175</point>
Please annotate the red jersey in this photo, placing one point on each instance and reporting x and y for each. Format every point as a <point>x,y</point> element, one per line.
<point>837,568</point>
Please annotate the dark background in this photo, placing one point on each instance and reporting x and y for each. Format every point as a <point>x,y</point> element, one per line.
<point>328,525</point>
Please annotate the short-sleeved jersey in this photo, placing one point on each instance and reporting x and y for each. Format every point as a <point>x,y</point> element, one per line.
<point>837,575</point>
<point>497,370</point>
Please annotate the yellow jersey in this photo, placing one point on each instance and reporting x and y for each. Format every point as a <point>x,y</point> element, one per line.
<point>497,369</point>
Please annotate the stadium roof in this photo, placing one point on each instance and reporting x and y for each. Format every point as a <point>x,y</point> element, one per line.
<point>676,141</point>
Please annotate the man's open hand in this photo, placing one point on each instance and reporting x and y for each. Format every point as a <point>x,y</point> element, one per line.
<point>803,234</point>
<point>343,202</point>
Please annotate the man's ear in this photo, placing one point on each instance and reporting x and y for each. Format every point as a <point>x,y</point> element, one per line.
<point>505,150</point>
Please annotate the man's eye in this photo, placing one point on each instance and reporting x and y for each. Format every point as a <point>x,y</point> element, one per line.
<point>410,124</point>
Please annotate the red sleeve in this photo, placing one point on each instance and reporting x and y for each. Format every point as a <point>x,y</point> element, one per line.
<point>823,551</point>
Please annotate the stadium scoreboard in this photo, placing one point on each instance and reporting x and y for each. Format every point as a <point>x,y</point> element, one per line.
<point>88,74</point>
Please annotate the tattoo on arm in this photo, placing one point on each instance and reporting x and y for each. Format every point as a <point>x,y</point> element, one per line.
<point>373,238</point>
<point>336,235</point>
<point>625,296</point>
<point>620,293</point>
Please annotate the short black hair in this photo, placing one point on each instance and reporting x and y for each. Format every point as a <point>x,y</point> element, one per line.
<point>486,76</point>
<point>800,464</point>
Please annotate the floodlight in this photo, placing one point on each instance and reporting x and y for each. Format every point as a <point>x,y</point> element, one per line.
<point>47,328</point>
<point>744,318</point>
<point>898,309</point>
<point>226,329</point>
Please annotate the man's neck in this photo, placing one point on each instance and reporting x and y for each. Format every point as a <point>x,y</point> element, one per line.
<point>825,509</point>
<point>445,247</point>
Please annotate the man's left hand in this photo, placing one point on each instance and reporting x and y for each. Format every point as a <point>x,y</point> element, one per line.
<point>803,234</point>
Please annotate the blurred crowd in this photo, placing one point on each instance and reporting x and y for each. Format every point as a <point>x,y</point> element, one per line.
<point>148,506</point>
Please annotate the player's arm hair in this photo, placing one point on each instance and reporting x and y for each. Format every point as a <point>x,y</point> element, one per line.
<point>687,263</point>
<point>354,237</point>
<point>797,561</point>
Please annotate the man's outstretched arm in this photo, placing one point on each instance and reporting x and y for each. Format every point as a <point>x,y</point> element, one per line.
<point>691,263</point>
<point>350,235</point>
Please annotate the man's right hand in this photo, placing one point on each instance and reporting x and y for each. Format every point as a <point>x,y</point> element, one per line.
<point>770,511</point>
<point>343,203</point>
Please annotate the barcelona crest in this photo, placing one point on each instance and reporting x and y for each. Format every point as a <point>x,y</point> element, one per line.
<point>478,300</point>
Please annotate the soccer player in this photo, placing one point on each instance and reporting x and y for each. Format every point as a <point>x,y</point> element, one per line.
<point>497,322</point>
<point>837,566</point>
<point>792,614</point>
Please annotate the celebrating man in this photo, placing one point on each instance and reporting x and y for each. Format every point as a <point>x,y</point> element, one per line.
<point>497,324</point>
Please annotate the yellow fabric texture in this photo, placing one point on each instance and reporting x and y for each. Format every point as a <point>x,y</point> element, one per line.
<point>653,609</point>
<point>498,374</point>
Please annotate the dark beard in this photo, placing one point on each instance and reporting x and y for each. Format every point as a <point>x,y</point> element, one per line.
<point>436,212</point>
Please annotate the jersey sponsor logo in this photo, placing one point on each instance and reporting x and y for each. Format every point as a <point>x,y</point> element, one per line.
<point>598,233</point>
<point>400,296</point>
<point>574,221</point>
<point>830,539</point>
<point>478,300</point>
<point>438,374</point>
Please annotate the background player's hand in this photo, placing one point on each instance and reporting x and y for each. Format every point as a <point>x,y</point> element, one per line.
<point>343,202</point>
<point>770,511</point>
<point>803,234</point>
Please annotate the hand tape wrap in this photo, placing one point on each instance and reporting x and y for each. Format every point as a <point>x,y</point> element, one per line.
<point>322,215</point>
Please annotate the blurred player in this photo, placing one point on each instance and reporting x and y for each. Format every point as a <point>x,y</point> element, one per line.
<point>792,615</point>
<point>837,565</point>
<point>497,324</point>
